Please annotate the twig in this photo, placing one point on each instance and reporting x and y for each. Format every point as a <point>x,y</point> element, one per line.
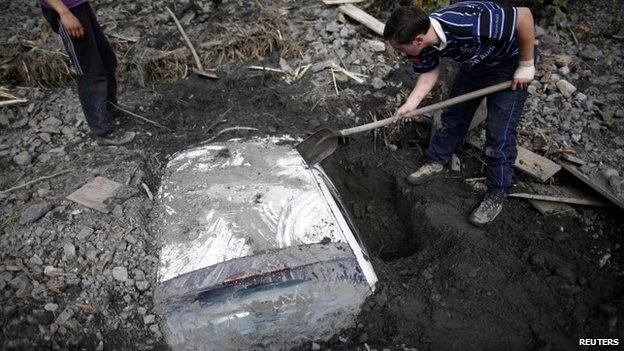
<point>334,79</point>
<point>35,181</point>
<point>573,36</point>
<point>187,40</point>
<point>141,117</point>
<point>148,191</point>
<point>474,179</point>
<point>225,131</point>
<point>13,102</point>
<point>351,75</point>
<point>121,37</point>
<point>260,68</point>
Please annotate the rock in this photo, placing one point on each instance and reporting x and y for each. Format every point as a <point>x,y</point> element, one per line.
<point>377,45</point>
<point>22,159</point>
<point>378,83</point>
<point>64,316</point>
<point>591,52</point>
<point>315,346</point>
<point>142,285</point>
<point>50,307</point>
<point>43,317</point>
<point>154,328</point>
<point>120,274</point>
<point>4,119</point>
<point>566,88</point>
<point>52,271</point>
<point>455,163</point>
<point>581,97</point>
<point>332,27</point>
<point>539,31</point>
<point>149,319</point>
<point>564,70</point>
<point>610,172</point>
<point>69,250</point>
<point>34,212</point>
<point>563,60</point>
<point>531,89</point>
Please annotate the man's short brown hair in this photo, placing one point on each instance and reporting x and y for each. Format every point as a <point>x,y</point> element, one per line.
<point>405,24</point>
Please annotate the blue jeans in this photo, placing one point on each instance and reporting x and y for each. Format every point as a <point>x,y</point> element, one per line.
<point>504,109</point>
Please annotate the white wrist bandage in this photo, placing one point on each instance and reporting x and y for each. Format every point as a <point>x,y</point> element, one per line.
<point>525,70</point>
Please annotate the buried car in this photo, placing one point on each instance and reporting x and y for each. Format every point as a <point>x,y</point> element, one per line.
<point>256,249</point>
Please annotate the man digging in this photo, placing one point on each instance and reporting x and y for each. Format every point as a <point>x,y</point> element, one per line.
<point>94,62</point>
<point>493,44</point>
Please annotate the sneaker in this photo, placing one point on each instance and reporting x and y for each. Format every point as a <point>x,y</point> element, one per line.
<point>489,208</point>
<point>425,172</point>
<point>118,137</point>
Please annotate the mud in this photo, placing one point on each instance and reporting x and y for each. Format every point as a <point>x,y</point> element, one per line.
<point>525,282</point>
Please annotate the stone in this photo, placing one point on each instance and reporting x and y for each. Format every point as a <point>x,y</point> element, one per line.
<point>563,60</point>
<point>378,83</point>
<point>539,31</point>
<point>591,52</point>
<point>377,45</point>
<point>149,319</point>
<point>69,250</point>
<point>22,159</point>
<point>52,271</point>
<point>566,88</point>
<point>120,274</point>
<point>142,285</point>
<point>34,212</point>
<point>581,97</point>
<point>154,328</point>
<point>64,316</point>
<point>50,307</point>
<point>610,172</point>
<point>564,70</point>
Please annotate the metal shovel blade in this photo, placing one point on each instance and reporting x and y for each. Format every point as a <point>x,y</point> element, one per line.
<point>318,146</point>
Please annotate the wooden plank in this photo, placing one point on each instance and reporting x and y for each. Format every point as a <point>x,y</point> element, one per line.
<point>535,165</point>
<point>364,18</point>
<point>340,2</point>
<point>94,193</point>
<point>573,159</point>
<point>600,184</point>
<point>548,208</point>
<point>555,193</point>
<point>528,162</point>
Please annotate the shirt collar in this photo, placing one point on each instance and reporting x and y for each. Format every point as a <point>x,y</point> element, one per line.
<point>440,32</point>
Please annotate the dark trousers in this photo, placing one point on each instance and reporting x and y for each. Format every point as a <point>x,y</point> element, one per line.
<point>504,109</point>
<point>95,64</point>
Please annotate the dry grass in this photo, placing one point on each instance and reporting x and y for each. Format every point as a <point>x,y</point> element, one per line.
<point>266,34</point>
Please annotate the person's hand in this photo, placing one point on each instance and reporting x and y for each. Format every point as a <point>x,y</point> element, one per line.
<point>72,25</point>
<point>524,75</point>
<point>406,108</point>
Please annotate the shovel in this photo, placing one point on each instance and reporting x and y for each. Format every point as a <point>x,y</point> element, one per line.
<point>323,143</point>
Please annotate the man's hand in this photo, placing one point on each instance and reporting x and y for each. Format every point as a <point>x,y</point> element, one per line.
<point>524,75</point>
<point>72,25</point>
<point>407,107</point>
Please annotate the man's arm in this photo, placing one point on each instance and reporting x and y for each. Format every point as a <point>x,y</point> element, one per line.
<point>526,42</point>
<point>424,84</point>
<point>68,20</point>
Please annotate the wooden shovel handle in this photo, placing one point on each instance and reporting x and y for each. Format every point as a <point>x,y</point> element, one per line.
<point>426,109</point>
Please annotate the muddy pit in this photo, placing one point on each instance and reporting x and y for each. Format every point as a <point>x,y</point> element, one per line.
<point>526,282</point>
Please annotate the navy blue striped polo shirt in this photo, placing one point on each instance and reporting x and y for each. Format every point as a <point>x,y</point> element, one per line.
<point>473,33</point>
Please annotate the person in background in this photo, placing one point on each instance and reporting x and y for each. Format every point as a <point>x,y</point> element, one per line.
<point>95,64</point>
